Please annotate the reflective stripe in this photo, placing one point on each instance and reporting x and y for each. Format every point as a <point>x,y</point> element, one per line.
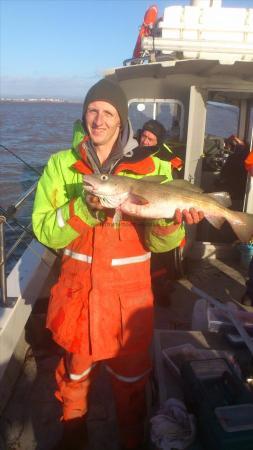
<point>77,377</point>
<point>127,379</point>
<point>59,217</point>
<point>115,262</point>
<point>131,260</point>
<point>78,256</point>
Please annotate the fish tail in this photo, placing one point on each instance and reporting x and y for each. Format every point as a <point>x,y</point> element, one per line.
<point>242,224</point>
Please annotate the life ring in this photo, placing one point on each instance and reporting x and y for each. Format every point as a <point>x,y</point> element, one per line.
<point>149,20</point>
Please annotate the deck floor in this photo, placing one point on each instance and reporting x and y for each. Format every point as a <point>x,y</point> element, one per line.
<point>30,418</point>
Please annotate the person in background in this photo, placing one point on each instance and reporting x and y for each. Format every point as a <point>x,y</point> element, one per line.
<point>101,308</point>
<point>234,169</point>
<point>247,298</point>
<point>153,135</point>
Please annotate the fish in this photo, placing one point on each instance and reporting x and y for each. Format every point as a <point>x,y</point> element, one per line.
<point>152,198</point>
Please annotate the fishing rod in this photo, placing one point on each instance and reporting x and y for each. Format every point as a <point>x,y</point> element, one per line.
<point>12,209</point>
<point>20,159</point>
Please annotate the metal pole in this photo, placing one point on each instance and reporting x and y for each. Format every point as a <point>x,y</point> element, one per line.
<point>3,283</point>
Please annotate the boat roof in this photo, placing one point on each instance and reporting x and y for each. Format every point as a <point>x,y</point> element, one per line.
<point>199,67</point>
<point>209,73</point>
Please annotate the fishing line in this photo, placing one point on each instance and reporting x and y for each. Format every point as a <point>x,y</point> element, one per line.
<point>20,159</point>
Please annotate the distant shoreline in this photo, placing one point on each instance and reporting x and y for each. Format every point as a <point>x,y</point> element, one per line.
<point>38,100</point>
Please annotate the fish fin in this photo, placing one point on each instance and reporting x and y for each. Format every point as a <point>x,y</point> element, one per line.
<point>217,222</point>
<point>138,199</point>
<point>184,184</point>
<point>154,179</point>
<point>221,197</point>
<point>117,218</point>
<point>242,224</point>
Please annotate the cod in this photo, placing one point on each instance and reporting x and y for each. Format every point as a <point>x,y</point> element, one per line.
<point>152,198</point>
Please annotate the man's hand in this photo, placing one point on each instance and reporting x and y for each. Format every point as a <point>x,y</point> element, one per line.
<point>190,217</point>
<point>94,202</point>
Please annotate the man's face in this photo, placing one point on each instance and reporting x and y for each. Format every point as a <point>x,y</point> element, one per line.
<point>148,139</point>
<point>102,122</point>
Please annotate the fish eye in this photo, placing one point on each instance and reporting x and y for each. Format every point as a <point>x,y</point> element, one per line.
<point>104,178</point>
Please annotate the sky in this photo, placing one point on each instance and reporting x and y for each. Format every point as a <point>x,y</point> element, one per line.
<point>59,48</point>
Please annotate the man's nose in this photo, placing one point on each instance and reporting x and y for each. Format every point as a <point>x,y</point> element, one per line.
<point>99,118</point>
<point>145,140</point>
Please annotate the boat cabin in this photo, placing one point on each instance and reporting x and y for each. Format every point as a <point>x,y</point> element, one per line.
<point>194,74</point>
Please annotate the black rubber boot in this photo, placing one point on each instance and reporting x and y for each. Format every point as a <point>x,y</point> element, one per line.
<point>74,436</point>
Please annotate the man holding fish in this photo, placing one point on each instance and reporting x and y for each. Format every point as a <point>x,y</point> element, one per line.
<point>91,202</point>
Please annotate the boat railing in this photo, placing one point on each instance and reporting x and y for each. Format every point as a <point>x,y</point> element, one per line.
<point>3,283</point>
<point>4,254</point>
<point>7,215</point>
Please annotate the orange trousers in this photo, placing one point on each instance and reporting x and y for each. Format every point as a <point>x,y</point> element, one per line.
<point>129,376</point>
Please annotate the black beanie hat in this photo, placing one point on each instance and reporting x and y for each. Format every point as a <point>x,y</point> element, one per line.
<point>156,128</point>
<point>111,92</point>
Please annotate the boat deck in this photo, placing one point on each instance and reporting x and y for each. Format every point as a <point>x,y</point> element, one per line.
<point>30,418</point>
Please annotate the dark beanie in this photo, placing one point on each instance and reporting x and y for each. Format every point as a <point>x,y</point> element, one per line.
<point>156,128</point>
<point>111,92</point>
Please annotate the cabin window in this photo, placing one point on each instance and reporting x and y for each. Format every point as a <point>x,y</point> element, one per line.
<point>169,112</point>
<point>222,119</point>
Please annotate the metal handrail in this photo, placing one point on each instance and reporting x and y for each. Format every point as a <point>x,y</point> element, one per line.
<point>8,214</point>
<point>3,281</point>
<point>17,242</point>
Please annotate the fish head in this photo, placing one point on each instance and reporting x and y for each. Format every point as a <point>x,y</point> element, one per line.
<point>111,189</point>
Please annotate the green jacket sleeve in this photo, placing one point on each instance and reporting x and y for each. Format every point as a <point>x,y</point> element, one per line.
<point>166,242</point>
<point>55,222</point>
